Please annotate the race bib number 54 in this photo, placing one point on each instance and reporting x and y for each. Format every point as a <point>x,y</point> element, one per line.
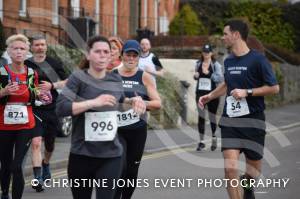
<point>100,126</point>
<point>236,108</point>
<point>15,114</point>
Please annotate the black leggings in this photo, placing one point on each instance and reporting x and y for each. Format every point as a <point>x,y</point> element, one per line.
<point>133,141</point>
<point>17,142</point>
<point>212,110</point>
<point>84,167</point>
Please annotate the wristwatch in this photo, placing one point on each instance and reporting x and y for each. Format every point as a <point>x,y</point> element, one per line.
<point>249,92</point>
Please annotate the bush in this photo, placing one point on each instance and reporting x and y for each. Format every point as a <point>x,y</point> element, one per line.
<point>169,90</point>
<point>186,22</point>
<point>69,56</point>
<point>266,19</point>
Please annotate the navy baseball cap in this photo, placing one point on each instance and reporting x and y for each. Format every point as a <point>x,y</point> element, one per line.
<point>207,48</point>
<point>132,45</point>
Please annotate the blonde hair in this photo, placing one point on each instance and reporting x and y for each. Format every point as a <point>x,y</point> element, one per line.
<point>17,37</point>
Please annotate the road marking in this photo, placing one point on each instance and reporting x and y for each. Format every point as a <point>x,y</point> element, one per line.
<point>274,174</point>
<point>261,192</point>
<point>298,162</point>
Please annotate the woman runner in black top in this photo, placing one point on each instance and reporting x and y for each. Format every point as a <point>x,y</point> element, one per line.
<point>208,73</point>
<point>133,129</point>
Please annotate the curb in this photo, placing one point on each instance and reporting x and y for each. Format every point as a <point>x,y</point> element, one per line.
<point>63,163</point>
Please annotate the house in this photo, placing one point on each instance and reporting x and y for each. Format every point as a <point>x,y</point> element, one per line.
<point>73,21</point>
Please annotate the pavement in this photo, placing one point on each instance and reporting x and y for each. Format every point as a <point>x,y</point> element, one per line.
<point>278,119</point>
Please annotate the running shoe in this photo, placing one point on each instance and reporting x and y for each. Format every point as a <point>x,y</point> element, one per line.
<point>5,196</point>
<point>39,187</point>
<point>201,146</point>
<point>213,143</point>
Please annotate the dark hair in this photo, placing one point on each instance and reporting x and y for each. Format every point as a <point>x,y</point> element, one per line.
<point>213,58</point>
<point>84,63</point>
<point>239,26</point>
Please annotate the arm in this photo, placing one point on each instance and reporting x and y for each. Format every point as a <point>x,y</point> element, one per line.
<point>217,76</point>
<point>260,91</point>
<point>155,102</point>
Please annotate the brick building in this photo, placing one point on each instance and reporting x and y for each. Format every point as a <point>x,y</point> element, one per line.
<point>64,21</point>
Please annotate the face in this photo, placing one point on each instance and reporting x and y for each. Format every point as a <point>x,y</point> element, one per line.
<point>145,45</point>
<point>115,51</point>
<point>207,55</point>
<point>99,55</point>
<point>39,46</point>
<point>17,51</point>
<point>229,38</point>
<point>130,59</point>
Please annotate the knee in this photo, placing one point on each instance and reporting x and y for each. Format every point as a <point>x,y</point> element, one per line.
<point>36,143</point>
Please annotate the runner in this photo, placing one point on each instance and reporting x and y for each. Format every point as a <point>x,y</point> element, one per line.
<point>52,76</point>
<point>17,95</point>
<point>208,73</point>
<point>116,48</point>
<point>148,61</point>
<point>133,129</point>
<point>92,96</point>
<point>248,78</point>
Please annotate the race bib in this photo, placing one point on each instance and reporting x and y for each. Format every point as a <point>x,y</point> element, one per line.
<point>100,126</point>
<point>127,118</point>
<point>15,114</point>
<point>236,108</point>
<point>204,84</point>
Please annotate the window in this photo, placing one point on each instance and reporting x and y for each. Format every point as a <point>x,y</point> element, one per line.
<point>55,15</point>
<point>22,8</point>
<point>75,4</point>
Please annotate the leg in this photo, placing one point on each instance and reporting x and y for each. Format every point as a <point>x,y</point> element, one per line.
<point>231,158</point>
<point>22,144</point>
<point>79,169</point>
<point>201,125</point>
<point>212,111</point>
<point>110,169</point>
<point>135,148</point>
<point>123,140</point>
<point>6,156</point>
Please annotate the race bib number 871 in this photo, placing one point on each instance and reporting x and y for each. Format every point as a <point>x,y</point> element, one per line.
<point>100,126</point>
<point>15,114</point>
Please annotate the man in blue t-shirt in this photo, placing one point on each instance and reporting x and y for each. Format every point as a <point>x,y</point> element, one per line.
<point>248,78</point>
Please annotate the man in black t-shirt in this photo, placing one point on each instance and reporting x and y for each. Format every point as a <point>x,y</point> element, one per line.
<point>51,77</point>
<point>248,78</point>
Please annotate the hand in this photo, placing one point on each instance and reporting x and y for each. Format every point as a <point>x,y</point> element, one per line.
<point>11,89</point>
<point>196,75</point>
<point>45,97</point>
<point>238,93</point>
<point>44,85</point>
<point>204,100</point>
<point>103,100</point>
<point>138,105</point>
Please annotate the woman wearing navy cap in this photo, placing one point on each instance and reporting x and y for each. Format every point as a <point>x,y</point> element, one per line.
<point>208,73</point>
<point>132,128</point>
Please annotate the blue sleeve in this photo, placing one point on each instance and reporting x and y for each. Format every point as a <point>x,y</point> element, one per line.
<point>267,72</point>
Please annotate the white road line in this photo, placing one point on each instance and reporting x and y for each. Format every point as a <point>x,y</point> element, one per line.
<point>274,174</point>
<point>261,192</point>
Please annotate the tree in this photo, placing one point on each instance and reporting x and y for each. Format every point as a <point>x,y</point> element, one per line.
<point>186,22</point>
<point>266,20</point>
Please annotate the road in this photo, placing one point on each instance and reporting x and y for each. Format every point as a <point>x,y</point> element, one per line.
<point>178,172</point>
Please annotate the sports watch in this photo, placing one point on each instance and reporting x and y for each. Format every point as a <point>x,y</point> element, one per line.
<point>249,92</point>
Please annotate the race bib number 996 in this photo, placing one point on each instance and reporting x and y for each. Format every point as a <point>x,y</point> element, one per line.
<point>100,126</point>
